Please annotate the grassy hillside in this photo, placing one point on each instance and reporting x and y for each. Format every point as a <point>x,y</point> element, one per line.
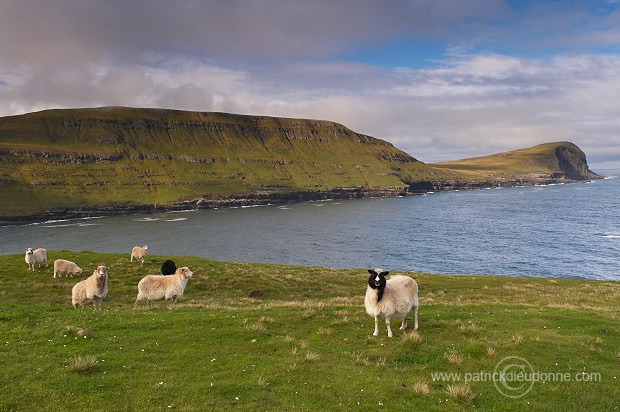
<point>59,163</point>
<point>111,156</point>
<point>305,345</point>
<point>561,159</point>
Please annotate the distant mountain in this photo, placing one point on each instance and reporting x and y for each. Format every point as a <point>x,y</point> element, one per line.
<point>81,162</point>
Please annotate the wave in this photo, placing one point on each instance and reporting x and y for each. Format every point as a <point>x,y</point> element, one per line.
<point>147,219</point>
<point>65,225</point>
<point>177,219</point>
<point>611,236</point>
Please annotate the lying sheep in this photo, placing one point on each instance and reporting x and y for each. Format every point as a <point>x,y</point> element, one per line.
<point>157,287</point>
<point>35,256</point>
<point>139,253</point>
<point>391,298</point>
<point>92,289</point>
<point>66,266</point>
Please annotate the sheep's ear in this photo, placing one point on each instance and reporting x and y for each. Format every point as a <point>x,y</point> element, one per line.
<point>372,271</point>
<point>385,273</point>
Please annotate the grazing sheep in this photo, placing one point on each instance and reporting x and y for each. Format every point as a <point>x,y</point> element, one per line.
<point>66,266</point>
<point>139,253</point>
<point>35,256</point>
<point>92,289</point>
<point>168,268</point>
<point>157,287</point>
<point>391,298</point>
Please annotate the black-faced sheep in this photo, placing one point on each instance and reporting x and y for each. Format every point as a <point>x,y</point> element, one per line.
<point>92,289</point>
<point>139,253</point>
<point>66,266</point>
<point>157,287</point>
<point>35,256</point>
<point>394,297</point>
<point>168,268</point>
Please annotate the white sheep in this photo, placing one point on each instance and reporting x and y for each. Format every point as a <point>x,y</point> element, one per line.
<point>35,256</point>
<point>92,289</point>
<point>139,253</point>
<point>157,287</point>
<point>66,266</point>
<point>394,297</point>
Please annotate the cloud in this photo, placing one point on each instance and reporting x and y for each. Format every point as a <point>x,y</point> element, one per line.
<point>497,86</point>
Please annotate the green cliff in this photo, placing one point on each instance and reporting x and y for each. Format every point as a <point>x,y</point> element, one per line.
<point>79,162</point>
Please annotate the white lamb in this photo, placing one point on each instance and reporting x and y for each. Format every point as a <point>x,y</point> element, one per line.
<point>66,266</point>
<point>92,289</point>
<point>394,297</point>
<point>35,256</point>
<point>157,287</point>
<point>139,253</point>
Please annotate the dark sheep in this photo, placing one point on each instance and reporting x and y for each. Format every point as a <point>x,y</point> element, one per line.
<point>168,268</point>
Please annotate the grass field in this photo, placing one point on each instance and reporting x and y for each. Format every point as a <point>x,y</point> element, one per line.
<point>305,345</point>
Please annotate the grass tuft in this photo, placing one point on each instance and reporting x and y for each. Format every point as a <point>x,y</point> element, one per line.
<point>421,388</point>
<point>412,338</point>
<point>460,392</point>
<point>454,357</point>
<point>312,356</point>
<point>82,363</point>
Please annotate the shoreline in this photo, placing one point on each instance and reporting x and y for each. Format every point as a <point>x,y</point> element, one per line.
<point>277,199</point>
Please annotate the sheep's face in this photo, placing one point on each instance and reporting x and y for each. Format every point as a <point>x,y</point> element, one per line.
<point>377,278</point>
<point>29,251</point>
<point>186,273</point>
<point>101,271</point>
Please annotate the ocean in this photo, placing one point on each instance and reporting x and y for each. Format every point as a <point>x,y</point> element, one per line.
<point>566,230</point>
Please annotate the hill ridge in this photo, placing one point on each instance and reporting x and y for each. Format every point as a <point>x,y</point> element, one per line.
<point>75,162</point>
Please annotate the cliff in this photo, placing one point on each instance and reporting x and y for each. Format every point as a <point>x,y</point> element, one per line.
<point>80,162</point>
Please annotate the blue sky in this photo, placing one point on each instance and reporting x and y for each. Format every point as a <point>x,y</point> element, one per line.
<point>440,79</point>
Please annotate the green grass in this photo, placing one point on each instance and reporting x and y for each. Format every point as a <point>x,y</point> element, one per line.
<point>305,345</point>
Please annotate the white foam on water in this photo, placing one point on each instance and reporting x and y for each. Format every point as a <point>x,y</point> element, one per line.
<point>177,219</point>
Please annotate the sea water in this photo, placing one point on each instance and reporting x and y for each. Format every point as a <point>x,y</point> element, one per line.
<point>565,230</point>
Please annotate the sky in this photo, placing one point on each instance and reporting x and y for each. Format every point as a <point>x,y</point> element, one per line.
<point>440,79</point>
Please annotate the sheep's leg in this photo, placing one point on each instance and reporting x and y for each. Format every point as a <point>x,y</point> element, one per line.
<point>376,333</point>
<point>387,324</point>
<point>135,305</point>
<point>415,314</point>
<point>403,326</point>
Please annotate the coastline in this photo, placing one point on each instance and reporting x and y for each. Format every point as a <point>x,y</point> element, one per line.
<point>278,198</point>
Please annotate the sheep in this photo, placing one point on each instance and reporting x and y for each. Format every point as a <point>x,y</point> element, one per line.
<point>92,289</point>
<point>65,266</point>
<point>157,287</point>
<point>168,267</point>
<point>391,298</point>
<point>35,256</point>
<point>139,253</point>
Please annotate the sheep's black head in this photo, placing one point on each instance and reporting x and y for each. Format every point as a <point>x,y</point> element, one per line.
<point>168,268</point>
<point>377,278</point>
